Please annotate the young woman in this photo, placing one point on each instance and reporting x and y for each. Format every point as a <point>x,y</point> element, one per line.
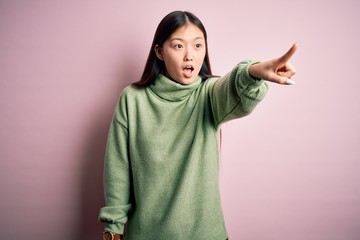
<point>161,174</point>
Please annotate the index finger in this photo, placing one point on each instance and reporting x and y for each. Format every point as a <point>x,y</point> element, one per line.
<point>286,57</point>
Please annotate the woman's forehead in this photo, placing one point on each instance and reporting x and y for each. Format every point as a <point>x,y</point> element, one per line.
<point>188,32</point>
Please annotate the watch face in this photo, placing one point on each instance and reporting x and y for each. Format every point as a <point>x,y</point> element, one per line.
<point>107,236</point>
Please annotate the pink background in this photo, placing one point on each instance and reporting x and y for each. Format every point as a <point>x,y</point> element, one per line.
<point>291,170</point>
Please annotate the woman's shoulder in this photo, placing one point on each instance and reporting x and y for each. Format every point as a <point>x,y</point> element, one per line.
<point>208,83</point>
<point>132,91</point>
<point>128,97</point>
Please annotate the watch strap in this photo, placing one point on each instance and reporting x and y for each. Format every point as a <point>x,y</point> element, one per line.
<point>118,237</point>
<point>114,236</point>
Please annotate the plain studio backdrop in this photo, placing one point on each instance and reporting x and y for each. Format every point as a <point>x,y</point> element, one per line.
<point>290,170</point>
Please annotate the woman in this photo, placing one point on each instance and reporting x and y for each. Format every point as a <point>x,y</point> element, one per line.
<point>161,174</point>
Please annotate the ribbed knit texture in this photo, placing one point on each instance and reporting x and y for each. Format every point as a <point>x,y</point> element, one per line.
<point>162,158</point>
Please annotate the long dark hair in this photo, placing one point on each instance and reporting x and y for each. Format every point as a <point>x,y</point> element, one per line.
<point>168,25</point>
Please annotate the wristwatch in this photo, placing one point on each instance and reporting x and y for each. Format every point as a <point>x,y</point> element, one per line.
<point>112,236</point>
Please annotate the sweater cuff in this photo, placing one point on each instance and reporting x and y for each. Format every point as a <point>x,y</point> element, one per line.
<point>245,83</point>
<point>114,218</point>
<point>114,228</point>
<point>247,79</point>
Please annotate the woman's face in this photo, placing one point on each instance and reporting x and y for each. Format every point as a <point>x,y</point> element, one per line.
<point>183,54</point>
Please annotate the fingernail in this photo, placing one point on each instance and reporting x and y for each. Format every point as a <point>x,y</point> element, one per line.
<point>290,82</point>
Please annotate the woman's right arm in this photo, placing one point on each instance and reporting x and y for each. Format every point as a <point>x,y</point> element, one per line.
<point>117,177</point>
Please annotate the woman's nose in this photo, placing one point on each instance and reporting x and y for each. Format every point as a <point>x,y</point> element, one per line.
<point>188,56</point>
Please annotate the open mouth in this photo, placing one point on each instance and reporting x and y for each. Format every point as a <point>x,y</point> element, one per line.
<point>188,70</point>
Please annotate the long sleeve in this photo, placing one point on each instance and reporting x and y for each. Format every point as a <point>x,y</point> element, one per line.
<point>117,177</point>
<point>236,94</point>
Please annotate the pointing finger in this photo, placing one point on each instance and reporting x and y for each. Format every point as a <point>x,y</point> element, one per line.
<point>286,57</point>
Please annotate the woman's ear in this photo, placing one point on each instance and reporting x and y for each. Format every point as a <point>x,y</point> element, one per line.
<point>158,52</point>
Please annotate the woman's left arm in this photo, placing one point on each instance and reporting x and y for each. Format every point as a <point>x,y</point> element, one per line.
<point>236,94</point>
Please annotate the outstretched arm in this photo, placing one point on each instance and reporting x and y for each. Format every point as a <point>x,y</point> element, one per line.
<point>278,70</point>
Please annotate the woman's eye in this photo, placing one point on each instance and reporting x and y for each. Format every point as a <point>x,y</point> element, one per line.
<point>178,46</point>
<point>198,45</point>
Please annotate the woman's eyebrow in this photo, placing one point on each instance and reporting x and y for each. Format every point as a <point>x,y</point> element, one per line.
<point>181,39</point>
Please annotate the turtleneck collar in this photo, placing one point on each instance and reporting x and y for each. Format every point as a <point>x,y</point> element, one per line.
<point>171,90</point>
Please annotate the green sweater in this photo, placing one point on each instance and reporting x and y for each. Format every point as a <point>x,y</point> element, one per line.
<point>161,173</point>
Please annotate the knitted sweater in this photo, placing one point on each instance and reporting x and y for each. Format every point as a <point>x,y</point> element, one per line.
<point>161,173</point>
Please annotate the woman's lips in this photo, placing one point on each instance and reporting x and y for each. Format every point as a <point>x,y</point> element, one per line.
<point>187,70</point>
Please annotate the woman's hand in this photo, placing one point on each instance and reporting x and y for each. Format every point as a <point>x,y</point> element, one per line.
<point>277,70</point>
